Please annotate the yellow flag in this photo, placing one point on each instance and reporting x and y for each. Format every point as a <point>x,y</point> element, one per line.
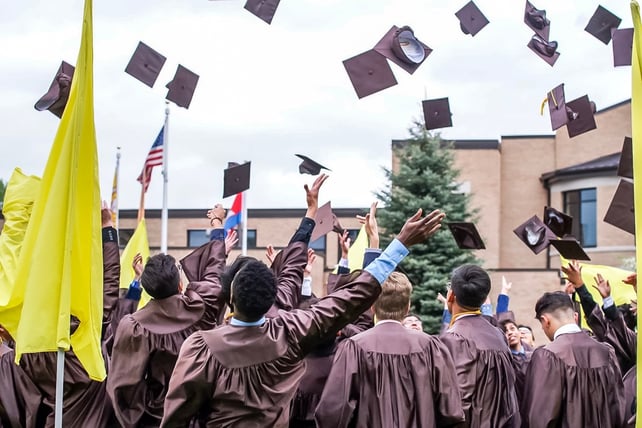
<point>60,270</point>
<point>357,250</point>
<point>138,243</point>
<point>19,197</point>
<point>636,123</point>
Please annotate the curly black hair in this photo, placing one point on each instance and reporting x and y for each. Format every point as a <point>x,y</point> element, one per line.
<point>160,277</point>
<point>471,285</point>
<point>229,273</point>
<point>252,289</point>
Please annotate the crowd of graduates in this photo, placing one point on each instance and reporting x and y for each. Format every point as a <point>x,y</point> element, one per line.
<point>249,345</point>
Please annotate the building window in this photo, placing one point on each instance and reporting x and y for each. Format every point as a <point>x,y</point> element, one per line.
<point>582,206</point>
<point>318,244</point>
<point>197,237</point>
<point>124,235</point>
<point>251,238</point>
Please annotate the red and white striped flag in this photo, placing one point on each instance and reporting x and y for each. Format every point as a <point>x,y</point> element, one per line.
<point>154,158</point>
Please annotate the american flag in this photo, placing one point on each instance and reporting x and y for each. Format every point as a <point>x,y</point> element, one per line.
<point>154,158</point>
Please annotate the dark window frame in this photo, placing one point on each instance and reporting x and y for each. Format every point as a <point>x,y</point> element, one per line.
<point>576,202</point>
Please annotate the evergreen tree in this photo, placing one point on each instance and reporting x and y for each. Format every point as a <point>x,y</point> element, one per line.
<point>426,178</point>
<point>3,186</point>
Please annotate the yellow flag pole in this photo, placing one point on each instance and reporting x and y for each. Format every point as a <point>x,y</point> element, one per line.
<point>141,205</point>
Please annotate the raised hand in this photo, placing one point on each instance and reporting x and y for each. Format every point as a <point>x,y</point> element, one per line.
<point>344,242</point>
<point>105,215</point>
<point>137,265</point>
<point>441,298</point>
<point>216,216</point>
<point>231,240</point>
<point>632,280</point>
<point>312,195</point>
<point>417,229</point>
<point>372,229</point>
<point>506,286</point>
<point>602,286</point>
<point>270,253</point>
<point>311,259</point>
<point>573,273</point>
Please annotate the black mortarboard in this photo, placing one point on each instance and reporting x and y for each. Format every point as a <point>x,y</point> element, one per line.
<point>534,233</point>
<point>466,236</point>
<point>544,49</point>
<point>570,249</point>
<point>146,64</point>
<point>557,107</point>
<point>582,110</point>
<point>264,9</point>
<point>56,97</point>
<point>236,179</point>
<point>601,24</point>
<point>622,46</point>
<point>559,223</point>
<point>324,222</point>
<point>621,213</point>
<point>536,20</point>
<point>471,19</point>
<point>625,168</point>
<point>308,166</point>
<point>401,46</point>
<point>437,113</point>
<point>181,88</point>
<point>369,72</point>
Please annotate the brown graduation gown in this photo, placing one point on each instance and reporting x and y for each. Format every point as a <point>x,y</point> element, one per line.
<point>484,372</point>
<point>390,377</point>
<point>616,333</point>
<point>573,381</point>
<point>148,341</point>
<point>85,402</point>
<point>19,397</point>
<point>288,268</point>
<point>246,376</point>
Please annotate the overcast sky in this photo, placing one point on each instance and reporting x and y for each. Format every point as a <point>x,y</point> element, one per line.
<point>269,91</point>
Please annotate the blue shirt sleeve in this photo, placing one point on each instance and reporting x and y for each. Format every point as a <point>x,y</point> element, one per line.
<point>134,292</point>
<point>370,255</point>
<point>386,263</point>
<point>502,303</point>
<point>446,317</point>
<point>218,234</point>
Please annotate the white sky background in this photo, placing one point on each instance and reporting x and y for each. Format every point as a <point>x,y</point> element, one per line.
<point>269,91</point>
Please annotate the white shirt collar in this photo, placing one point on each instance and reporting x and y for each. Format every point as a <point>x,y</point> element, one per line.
<point>566,329</point>
<point>387,321</point>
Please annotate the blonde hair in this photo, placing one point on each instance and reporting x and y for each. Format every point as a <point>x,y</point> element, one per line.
<point>394,299</point>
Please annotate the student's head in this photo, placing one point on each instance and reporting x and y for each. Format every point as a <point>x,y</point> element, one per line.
<point>250,287</point>
<point>513,336</point>
<point>553,310</point>
<point>412,322</point>
<point>161,278</point>
<point>394,301</point>
<point>469,288</point>
<point>527,334</point>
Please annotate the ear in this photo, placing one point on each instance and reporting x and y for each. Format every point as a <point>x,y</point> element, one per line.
<point>450,296</point>
<point>545,320</point>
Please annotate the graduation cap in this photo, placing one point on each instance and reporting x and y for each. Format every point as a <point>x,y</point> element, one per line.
<point>236,179</point>
<point>308,166</point>
<point>622,46</point>
<point>559,223</point>
<point>570,249</point>
<point>621,213</point>
<point>369,73</point>
<point>336,225</point>
<point>181,88</point>
<point>601,24</point>
<point>401,46</point>
<point>264,9</point>
<point>466,236</point>
<point>544,49</point>
<point>535,234</point>
<point>582,117</point>
<point>145,65</point>
<point>625,168</point>
<point>324,222</point>
<point>55,100</point>
<point>471,19</point>
<point>437,113</point>
<point>557,108</point>
<point>536,20</point>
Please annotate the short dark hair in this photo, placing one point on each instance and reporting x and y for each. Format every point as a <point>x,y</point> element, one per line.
<point>471,285</point>
<point>529,329</point>
<point>253,289</point>
<point>504,323</point>
<point>552,302</point>
<point>161,277</point>
<point>230,272</point>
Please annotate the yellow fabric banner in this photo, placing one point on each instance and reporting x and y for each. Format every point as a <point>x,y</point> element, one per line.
<point>138,243</point>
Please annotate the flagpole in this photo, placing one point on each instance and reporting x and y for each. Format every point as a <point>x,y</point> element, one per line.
<point>244,221</point>
<point>165,157</point>
<point>141,203</point>
<point>114,191</point>
<point>60,377</point>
